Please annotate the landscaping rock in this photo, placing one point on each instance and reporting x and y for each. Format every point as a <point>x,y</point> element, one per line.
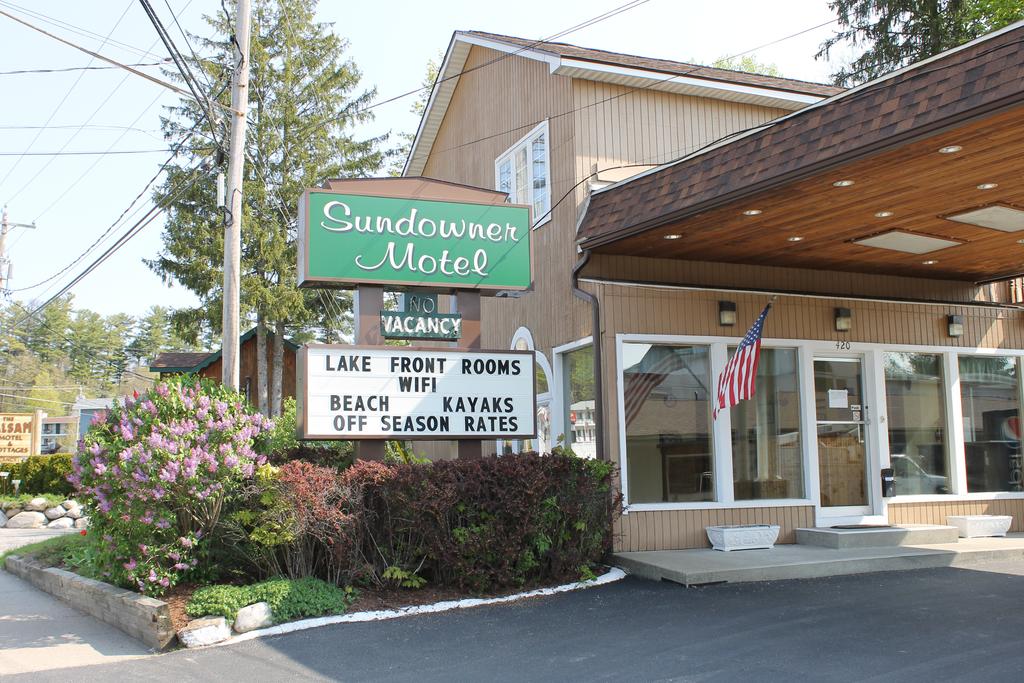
<point>10,512</point>
<point>253,617</point>
<point>27,520</point>
<point>82,523</point>
<point>75,513</point>
<point>3,519</point>
<point>70,504</point>
<point>205,631</point>
<point>61,523</point>
<point>55,512</point>
<point>37,505</point>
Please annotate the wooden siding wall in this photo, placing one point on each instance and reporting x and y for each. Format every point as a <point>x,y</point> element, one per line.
<point>936,513</point>
<point>619,125</point>
<point>247,369</point>
<point>643,310</point>
<point>676,529</point>
<point>772,278</point>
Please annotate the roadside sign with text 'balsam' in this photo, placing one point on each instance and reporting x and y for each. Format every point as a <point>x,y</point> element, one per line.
<point>348,240</point>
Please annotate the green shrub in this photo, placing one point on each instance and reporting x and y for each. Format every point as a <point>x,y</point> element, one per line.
<point>43,474</point>
<point>284,446</point>
<point>289,599</point>
<point>22,499</point>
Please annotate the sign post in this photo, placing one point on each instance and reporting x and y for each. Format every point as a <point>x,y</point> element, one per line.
<point>420,237</point>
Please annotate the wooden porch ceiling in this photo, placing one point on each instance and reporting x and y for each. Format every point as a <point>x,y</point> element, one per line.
<point>916,182</point>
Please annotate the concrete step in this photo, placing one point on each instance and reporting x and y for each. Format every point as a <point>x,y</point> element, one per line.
<point>704,566</point>
<point>881,537</point>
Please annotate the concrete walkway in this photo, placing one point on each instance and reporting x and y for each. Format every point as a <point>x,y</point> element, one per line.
<point>697,567</point>
<point>40,633</point>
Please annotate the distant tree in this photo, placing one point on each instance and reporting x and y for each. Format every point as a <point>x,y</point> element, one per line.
<point>748,64</point>
<point>895,33</point>
<point>418,107</point>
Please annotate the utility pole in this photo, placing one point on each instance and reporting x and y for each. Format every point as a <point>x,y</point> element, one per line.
<point>233,228</point>
<point>6,265</point>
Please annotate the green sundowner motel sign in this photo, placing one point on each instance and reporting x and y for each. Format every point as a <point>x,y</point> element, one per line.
<point>347,240</point>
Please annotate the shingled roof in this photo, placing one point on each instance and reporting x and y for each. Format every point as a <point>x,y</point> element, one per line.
<point>665,65</point>
<point>177,361</point>
<point>966,83</point>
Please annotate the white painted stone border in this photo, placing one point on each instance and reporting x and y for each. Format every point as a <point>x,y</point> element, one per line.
<point>613,574</point>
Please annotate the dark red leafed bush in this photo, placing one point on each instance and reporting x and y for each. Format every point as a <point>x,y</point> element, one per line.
<point>486,523</point>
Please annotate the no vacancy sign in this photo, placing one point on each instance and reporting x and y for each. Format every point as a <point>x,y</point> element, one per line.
<point>364,392</point>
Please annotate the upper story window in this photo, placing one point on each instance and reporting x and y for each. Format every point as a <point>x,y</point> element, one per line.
<point>523,171</point>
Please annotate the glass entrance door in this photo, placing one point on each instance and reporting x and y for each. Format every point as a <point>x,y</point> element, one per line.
<point>842,436</point>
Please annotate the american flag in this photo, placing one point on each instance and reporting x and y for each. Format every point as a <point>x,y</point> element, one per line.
<point>639,383</point>
<point>736,383</point>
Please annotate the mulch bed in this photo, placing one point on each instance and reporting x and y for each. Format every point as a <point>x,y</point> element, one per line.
<point>369,600</point>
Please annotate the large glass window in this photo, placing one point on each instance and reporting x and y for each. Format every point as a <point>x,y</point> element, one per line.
<point>668,423</point>
<point>766,454</point>
<point>522,172</point>
<point>990,398</point>
<point>578,390</point>
<point>915,401</point>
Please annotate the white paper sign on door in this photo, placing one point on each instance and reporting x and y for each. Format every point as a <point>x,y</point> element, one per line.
<point>838,398</point>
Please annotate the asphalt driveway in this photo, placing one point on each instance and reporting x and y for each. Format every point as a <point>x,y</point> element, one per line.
<point>928,625</point>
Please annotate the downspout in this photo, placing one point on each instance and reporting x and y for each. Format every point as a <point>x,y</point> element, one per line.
<point>596,336</point>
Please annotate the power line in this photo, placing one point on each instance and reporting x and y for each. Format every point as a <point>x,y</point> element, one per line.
<point>183,68</point>
<point>134,230</point>
<point>63,99</point>
<point>153,79</point>
<point>85,33</point>
<point>83,153</point>
<point>19,72</point>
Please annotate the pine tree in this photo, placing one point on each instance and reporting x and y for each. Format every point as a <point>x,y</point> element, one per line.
<point>304,98</point>
<point>896,33</point>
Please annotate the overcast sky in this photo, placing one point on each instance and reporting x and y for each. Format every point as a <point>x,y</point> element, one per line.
<point>74,199</point>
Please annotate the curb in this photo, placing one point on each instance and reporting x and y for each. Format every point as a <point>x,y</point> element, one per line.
<point>612,575</point>
<point>144,618</point>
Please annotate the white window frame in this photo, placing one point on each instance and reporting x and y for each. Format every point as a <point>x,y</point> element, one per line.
<point>509,154</point>
<point>807,349</point>
<point>524,334</point>
<point>558,405</point>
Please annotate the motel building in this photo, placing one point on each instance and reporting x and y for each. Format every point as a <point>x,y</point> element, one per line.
<point>672,202</point>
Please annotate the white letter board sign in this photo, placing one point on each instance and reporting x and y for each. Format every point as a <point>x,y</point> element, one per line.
<point>374,392</point>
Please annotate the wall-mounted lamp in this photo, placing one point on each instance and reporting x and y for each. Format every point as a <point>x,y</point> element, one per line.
<point>955,324</point>
<point>844,320</point>
<point>726,313</point>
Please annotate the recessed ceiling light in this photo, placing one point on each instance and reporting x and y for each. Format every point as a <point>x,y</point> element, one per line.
<point>929,262</point>
<point>950,149</point>
<point>988,186</point>
<point>795,238</point>
<point>752,212</point>
<point>842,183</point>
<point>883,214</point>
<point>672,237</point>
<point>1020,241</point>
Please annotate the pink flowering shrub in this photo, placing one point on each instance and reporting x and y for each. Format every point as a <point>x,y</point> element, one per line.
<point>156,473</point>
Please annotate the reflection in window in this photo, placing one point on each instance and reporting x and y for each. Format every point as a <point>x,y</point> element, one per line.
<point>990,398</point>
<point>580,424</point>
<point>668,423</point>
<point>523,172</point>
<point>766,454</point>
<point>915,402</point>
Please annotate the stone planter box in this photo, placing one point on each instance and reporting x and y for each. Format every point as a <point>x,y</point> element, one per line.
<point>743,536</point>
<point>976,526</point>
<point>146,619</point>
